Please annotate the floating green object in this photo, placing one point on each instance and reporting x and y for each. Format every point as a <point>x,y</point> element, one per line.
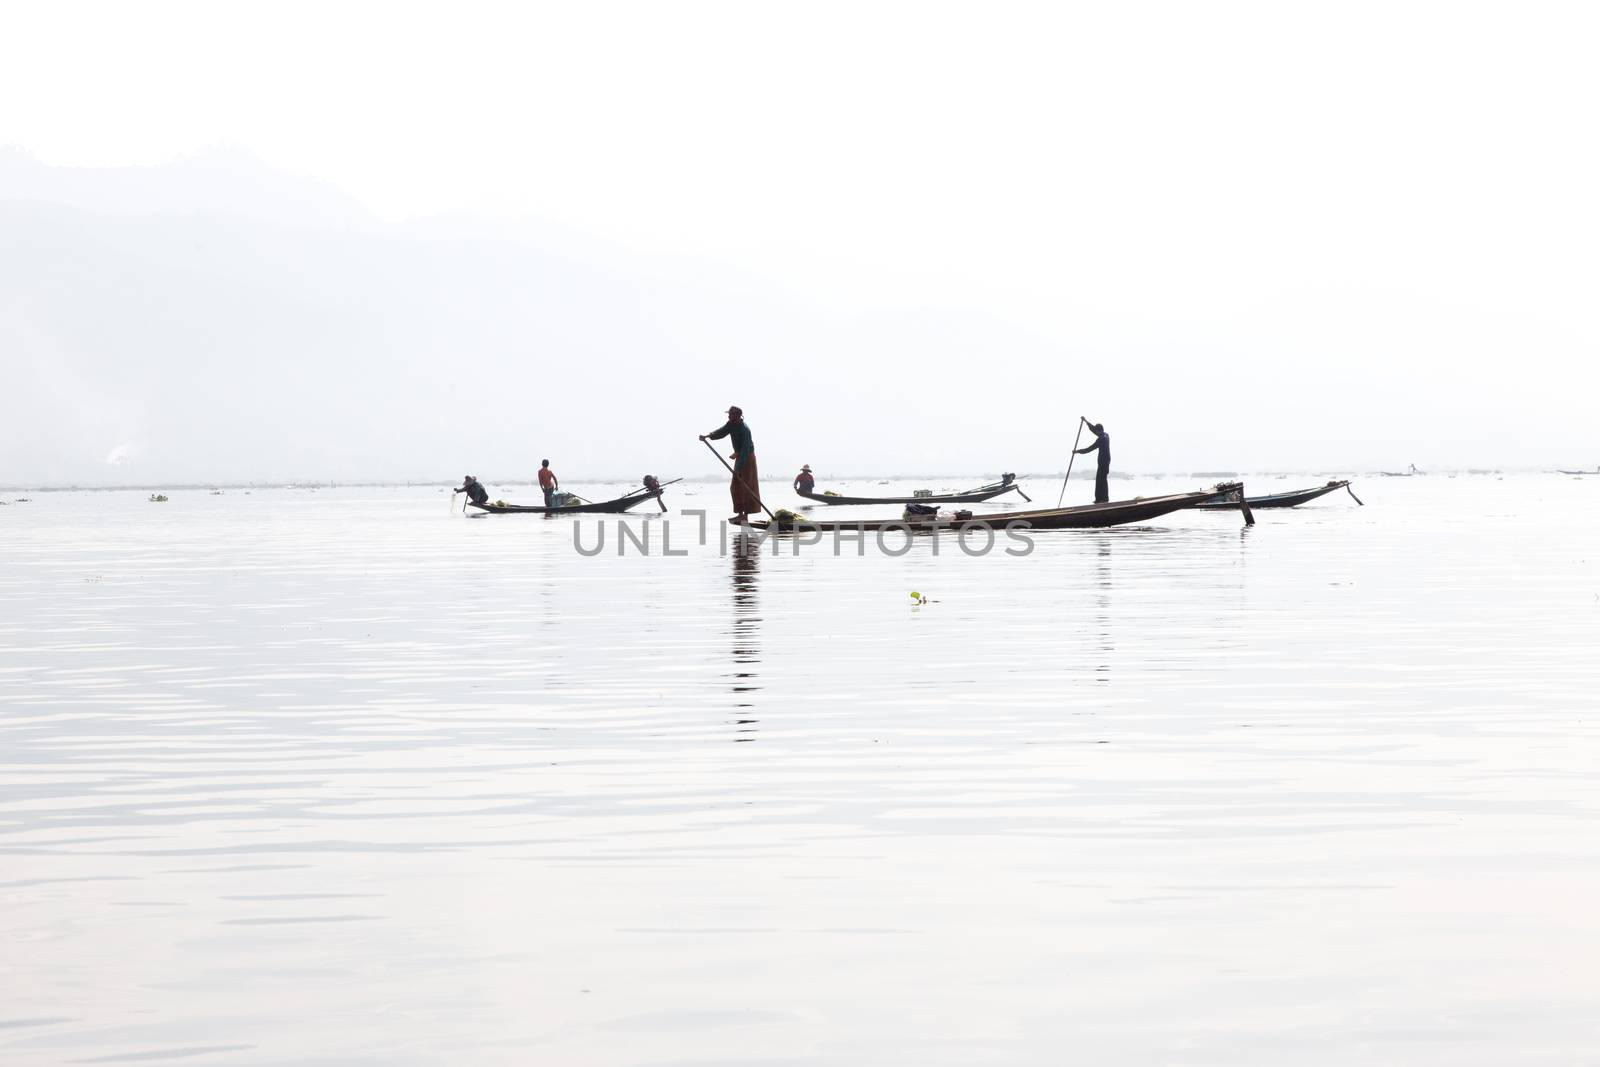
<point>157,498</point>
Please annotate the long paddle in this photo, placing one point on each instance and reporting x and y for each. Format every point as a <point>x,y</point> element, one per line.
<point>735,473</point>
<point>1075,439</point>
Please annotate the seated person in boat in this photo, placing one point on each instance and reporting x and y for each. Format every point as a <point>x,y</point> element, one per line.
<point>474,490</point>
<point>804,482</point>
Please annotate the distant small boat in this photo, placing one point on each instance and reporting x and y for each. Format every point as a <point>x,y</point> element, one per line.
<point>1403,474</point>
<point>1283,500</point>
<point>972,496</point>
<point>1083,516</point>
<point>1582,473</point>
<point>604,507</point>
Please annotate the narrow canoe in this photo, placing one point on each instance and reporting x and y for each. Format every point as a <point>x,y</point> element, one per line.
<point>1279,500</point>
<point>972,496</point>
<point>604,507</point>
<point>1082,517</point>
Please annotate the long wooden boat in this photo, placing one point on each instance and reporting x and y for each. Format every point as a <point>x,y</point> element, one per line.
<point>1082,517</point>
<point>971,496</point>
<point>1282,500</point>
<point>604,507</point>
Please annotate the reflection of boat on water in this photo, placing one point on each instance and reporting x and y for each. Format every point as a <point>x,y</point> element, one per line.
<point>1284,500</point>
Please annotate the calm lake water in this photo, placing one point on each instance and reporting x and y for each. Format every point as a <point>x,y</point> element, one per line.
<point>335,777</point>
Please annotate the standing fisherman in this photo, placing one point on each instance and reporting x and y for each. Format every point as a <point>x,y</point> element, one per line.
<point>1102,470</point>
<point>745,487</point>
<point>548,482</point>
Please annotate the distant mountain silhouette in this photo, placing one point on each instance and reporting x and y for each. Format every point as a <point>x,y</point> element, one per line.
<point>221,181</point>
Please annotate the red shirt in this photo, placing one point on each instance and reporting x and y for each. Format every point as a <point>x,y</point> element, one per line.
<point>547,478</point>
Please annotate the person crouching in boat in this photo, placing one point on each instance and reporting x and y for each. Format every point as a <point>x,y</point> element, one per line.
<point>804,483</point>
<point>745,487</point>
<point>474,490</point>
<point>1102,470</point>
<point>549,483</point>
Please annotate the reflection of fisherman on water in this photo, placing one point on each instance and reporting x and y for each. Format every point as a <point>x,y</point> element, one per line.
<point>745,630</point>
<point>1102,604</point>
<point>1102,470</point>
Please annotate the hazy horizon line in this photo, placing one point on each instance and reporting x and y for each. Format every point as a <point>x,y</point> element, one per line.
<point>1078,474</point>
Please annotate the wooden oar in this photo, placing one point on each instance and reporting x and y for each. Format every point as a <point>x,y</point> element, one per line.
<point>1352,493</point>
<point>1075,439</point>
<point>735,473</point>
<point>1244,506</point>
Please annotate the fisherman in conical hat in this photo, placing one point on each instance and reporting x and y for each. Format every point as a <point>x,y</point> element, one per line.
<point>474,490</point>
<point>804,483</point>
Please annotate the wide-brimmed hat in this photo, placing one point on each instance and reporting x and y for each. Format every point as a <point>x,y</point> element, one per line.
<point>736,410</point>
<point>805,466</point>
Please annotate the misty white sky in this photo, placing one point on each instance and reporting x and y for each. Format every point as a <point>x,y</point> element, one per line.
<point>902,236</point>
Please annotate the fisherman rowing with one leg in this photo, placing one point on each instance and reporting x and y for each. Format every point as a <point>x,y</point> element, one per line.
<point>1102,470</point>
<point>745,488</point>
<point>474,490</point>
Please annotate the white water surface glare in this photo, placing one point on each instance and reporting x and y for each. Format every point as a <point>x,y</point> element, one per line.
<point>336,777</point>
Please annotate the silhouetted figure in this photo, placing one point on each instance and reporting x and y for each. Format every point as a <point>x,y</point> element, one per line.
<point>474,490</point>
<point>1102,470</point>
<point>745,487</point>
<point>804,482</point>
<point>548,482</point>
